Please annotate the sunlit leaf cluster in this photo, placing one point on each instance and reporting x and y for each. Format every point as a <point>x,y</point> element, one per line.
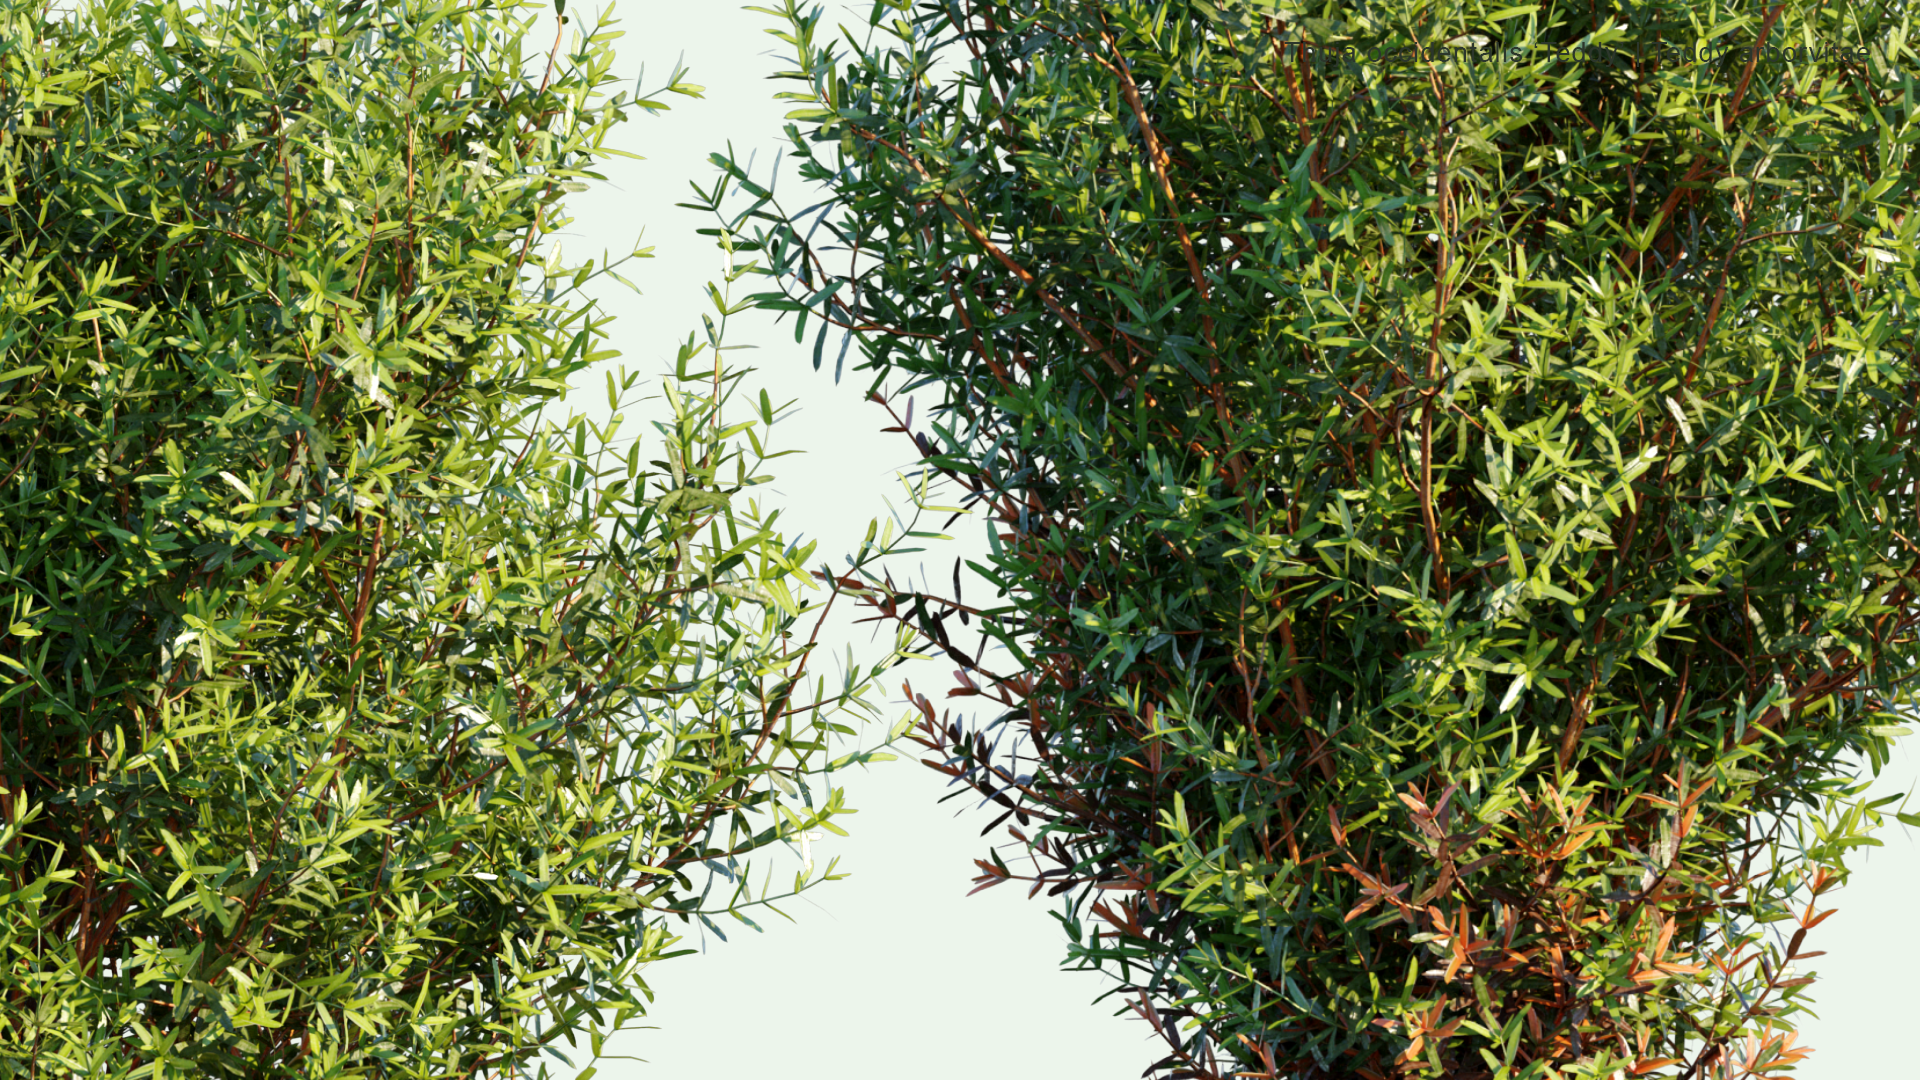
<point>360,719</point>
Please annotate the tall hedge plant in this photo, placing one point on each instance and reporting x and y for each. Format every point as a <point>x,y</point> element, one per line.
<point>1452,472</point>
<point>360,719</point>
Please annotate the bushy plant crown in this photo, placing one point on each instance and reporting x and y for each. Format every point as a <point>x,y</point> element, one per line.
<point>1453,480</point>
<point>359,720</point>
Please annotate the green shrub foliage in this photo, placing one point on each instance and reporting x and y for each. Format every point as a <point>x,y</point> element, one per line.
<point>1452,478</point>
<point>358,720</point>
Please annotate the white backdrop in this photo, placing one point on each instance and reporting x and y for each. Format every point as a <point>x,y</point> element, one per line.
<point>894,968</point>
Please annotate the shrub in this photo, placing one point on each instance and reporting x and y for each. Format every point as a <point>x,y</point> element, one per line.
<point>1453,510</point>
<point>358,720</point>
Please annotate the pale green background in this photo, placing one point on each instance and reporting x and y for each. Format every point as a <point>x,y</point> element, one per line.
<point>894,970</point>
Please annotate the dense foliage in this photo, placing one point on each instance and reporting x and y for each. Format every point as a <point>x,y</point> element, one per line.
<point>1452,474</point>
<point>358,720</point>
